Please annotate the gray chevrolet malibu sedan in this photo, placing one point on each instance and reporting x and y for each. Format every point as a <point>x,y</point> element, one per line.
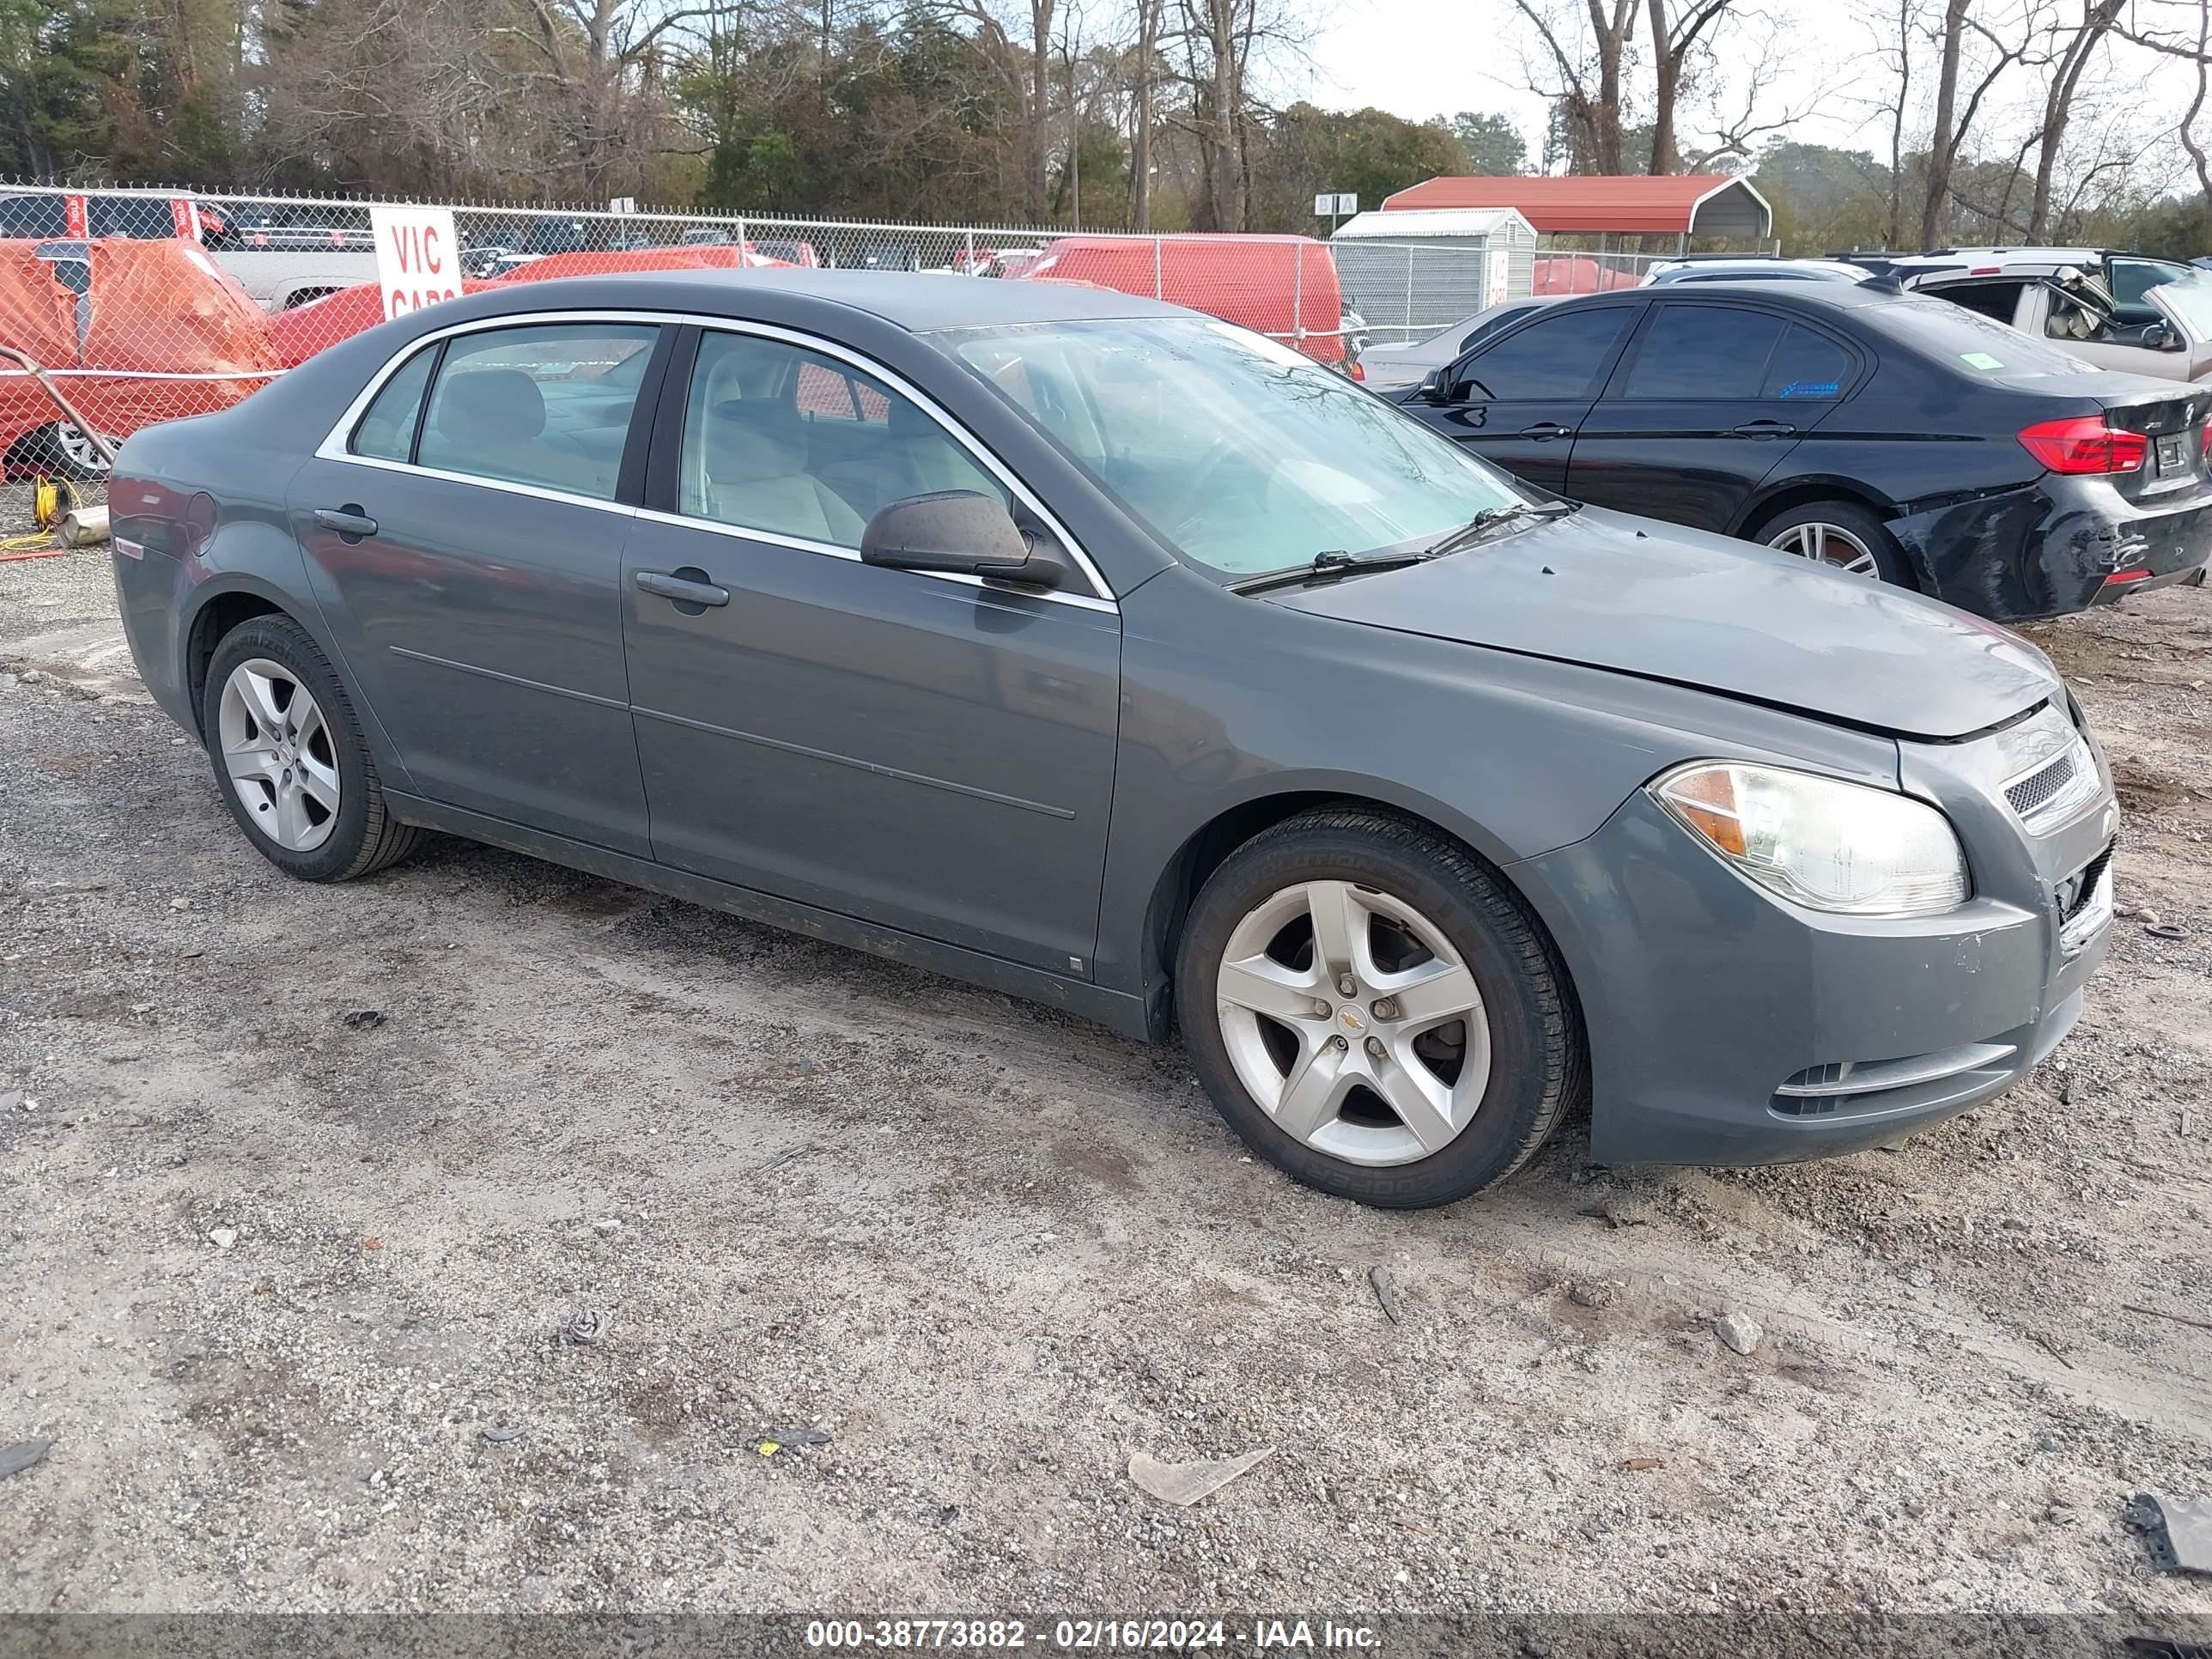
<point>1117,658</point>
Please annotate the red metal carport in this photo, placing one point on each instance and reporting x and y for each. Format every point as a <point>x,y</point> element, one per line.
<point>1681,205</point>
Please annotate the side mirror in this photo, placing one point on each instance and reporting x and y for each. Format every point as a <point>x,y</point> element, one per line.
<point>1432,388</point>
<point>2160,337</point>
<point>963,533</point>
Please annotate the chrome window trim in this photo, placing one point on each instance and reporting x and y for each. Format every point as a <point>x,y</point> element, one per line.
<point>333,446</point>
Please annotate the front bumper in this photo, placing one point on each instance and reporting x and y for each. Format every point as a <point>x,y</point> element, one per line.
<point>1727,1027</point>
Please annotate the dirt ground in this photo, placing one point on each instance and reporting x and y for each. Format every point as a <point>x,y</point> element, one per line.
<point>300,1187</point>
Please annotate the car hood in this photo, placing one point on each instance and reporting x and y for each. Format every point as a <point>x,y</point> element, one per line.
<point>1638,597</point>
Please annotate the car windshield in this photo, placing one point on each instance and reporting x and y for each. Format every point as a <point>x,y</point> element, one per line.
<point>2190,301</point>
<point>1243,455</point>
<point>1968,341</point>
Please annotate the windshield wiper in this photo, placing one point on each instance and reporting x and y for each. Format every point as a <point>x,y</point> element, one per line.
<point>1326,567</point>
<point>1492,517</point>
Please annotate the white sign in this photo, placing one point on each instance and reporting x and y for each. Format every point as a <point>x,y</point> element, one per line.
<point>1347,204</point>
<point>1497,275</point>
<point>1329,204</point>
<point>622,205</point>
<point>418,257</point>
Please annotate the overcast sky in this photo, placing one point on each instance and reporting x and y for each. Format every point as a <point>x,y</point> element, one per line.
<point>1422,57</point>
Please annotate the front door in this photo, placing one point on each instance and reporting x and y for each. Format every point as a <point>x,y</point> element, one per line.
<point>924,752</point>
<point>469,555</point>
<point>1710,399</point>
<point>1517,400</point>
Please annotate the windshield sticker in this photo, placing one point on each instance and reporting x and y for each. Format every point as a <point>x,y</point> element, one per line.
<point>1981,360</point>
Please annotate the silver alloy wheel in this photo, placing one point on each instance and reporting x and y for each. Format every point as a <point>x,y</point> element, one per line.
<point>1828,543</point>
<point>1354,1023</point>
<point>77,448</point>
<point>276,749</point>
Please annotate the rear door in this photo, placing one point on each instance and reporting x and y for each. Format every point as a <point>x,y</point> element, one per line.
<point>1519,399</point>
<point>1709,399</point>
<point>467,545</point>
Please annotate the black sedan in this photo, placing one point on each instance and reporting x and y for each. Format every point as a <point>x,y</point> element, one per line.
<point>1886,433</point>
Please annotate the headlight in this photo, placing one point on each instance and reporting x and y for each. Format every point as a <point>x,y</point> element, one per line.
<point>1820,842</point>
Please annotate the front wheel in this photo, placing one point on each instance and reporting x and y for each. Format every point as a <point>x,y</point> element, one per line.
<point>1372,1013</point>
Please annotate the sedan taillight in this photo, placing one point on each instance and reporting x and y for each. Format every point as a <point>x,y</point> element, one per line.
<point>2085,444</point>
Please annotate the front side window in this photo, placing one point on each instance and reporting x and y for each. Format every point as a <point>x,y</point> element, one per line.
<point>545,404</point>
<point>1241,454</point>
<point>793,442</point>
<point>1552,357</point>
<point>2133,279</point>
<point>2188,299</point>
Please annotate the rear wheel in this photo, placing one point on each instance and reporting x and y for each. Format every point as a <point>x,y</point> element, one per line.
<point>1840,534</point>
<point>1372,1013</point>
<point>289,757</point>
<point>63,449</point>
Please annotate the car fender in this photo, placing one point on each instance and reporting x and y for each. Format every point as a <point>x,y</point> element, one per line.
<point>254,556</point>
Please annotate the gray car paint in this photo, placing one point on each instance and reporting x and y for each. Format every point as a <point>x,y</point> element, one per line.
<point>1517,696</point>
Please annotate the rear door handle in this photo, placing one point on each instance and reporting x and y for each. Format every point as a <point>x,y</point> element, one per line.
<point>349,521</point>
<point>1765,430</point>
<point>1544,430</point>
<point>685,586</point>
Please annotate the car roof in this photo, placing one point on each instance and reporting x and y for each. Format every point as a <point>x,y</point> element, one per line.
<point>1834,296</point>
<point>914,300</point>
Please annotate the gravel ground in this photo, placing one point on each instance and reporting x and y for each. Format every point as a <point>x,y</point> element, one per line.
<point>301,1187</point>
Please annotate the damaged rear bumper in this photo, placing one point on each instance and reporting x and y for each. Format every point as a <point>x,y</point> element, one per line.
<point>2056,546</point>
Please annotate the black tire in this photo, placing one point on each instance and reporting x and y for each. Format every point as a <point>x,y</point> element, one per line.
<point>45,451</point>
<point>1890,562</point>
<point>1537,1067</point>
<point>365,837</point>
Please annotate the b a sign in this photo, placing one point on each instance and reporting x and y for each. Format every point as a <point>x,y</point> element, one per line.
<point>418,257</point>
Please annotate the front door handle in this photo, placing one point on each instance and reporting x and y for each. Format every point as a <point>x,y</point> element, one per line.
<point>1544,431</point>
<point>1765,430</point>
<point>349,521</point>
<point>687,589</point>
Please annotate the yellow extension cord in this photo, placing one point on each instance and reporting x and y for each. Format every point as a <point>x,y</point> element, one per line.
<point>47,509</point>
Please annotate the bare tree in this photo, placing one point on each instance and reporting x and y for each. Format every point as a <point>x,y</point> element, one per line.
<point>1587,73</point>
<point>1943,144</point>
<point>1026,70</point>
<point>2070,60</point>
<point>1679,27</point>
<point>1140,135</point>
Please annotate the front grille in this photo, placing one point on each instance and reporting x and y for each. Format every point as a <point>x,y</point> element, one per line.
<point>2037,787</point>
<point>2078,891</point>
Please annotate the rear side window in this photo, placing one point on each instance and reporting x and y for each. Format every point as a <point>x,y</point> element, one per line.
<point>1807,364</point>
<point>1555,357</point>
<point>1704,351</point>
<point>547,404</point>
<point>387,431</point>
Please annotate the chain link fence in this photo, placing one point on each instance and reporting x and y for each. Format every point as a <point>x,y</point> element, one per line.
<point>1560,270</point>
<point>139,306</point>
